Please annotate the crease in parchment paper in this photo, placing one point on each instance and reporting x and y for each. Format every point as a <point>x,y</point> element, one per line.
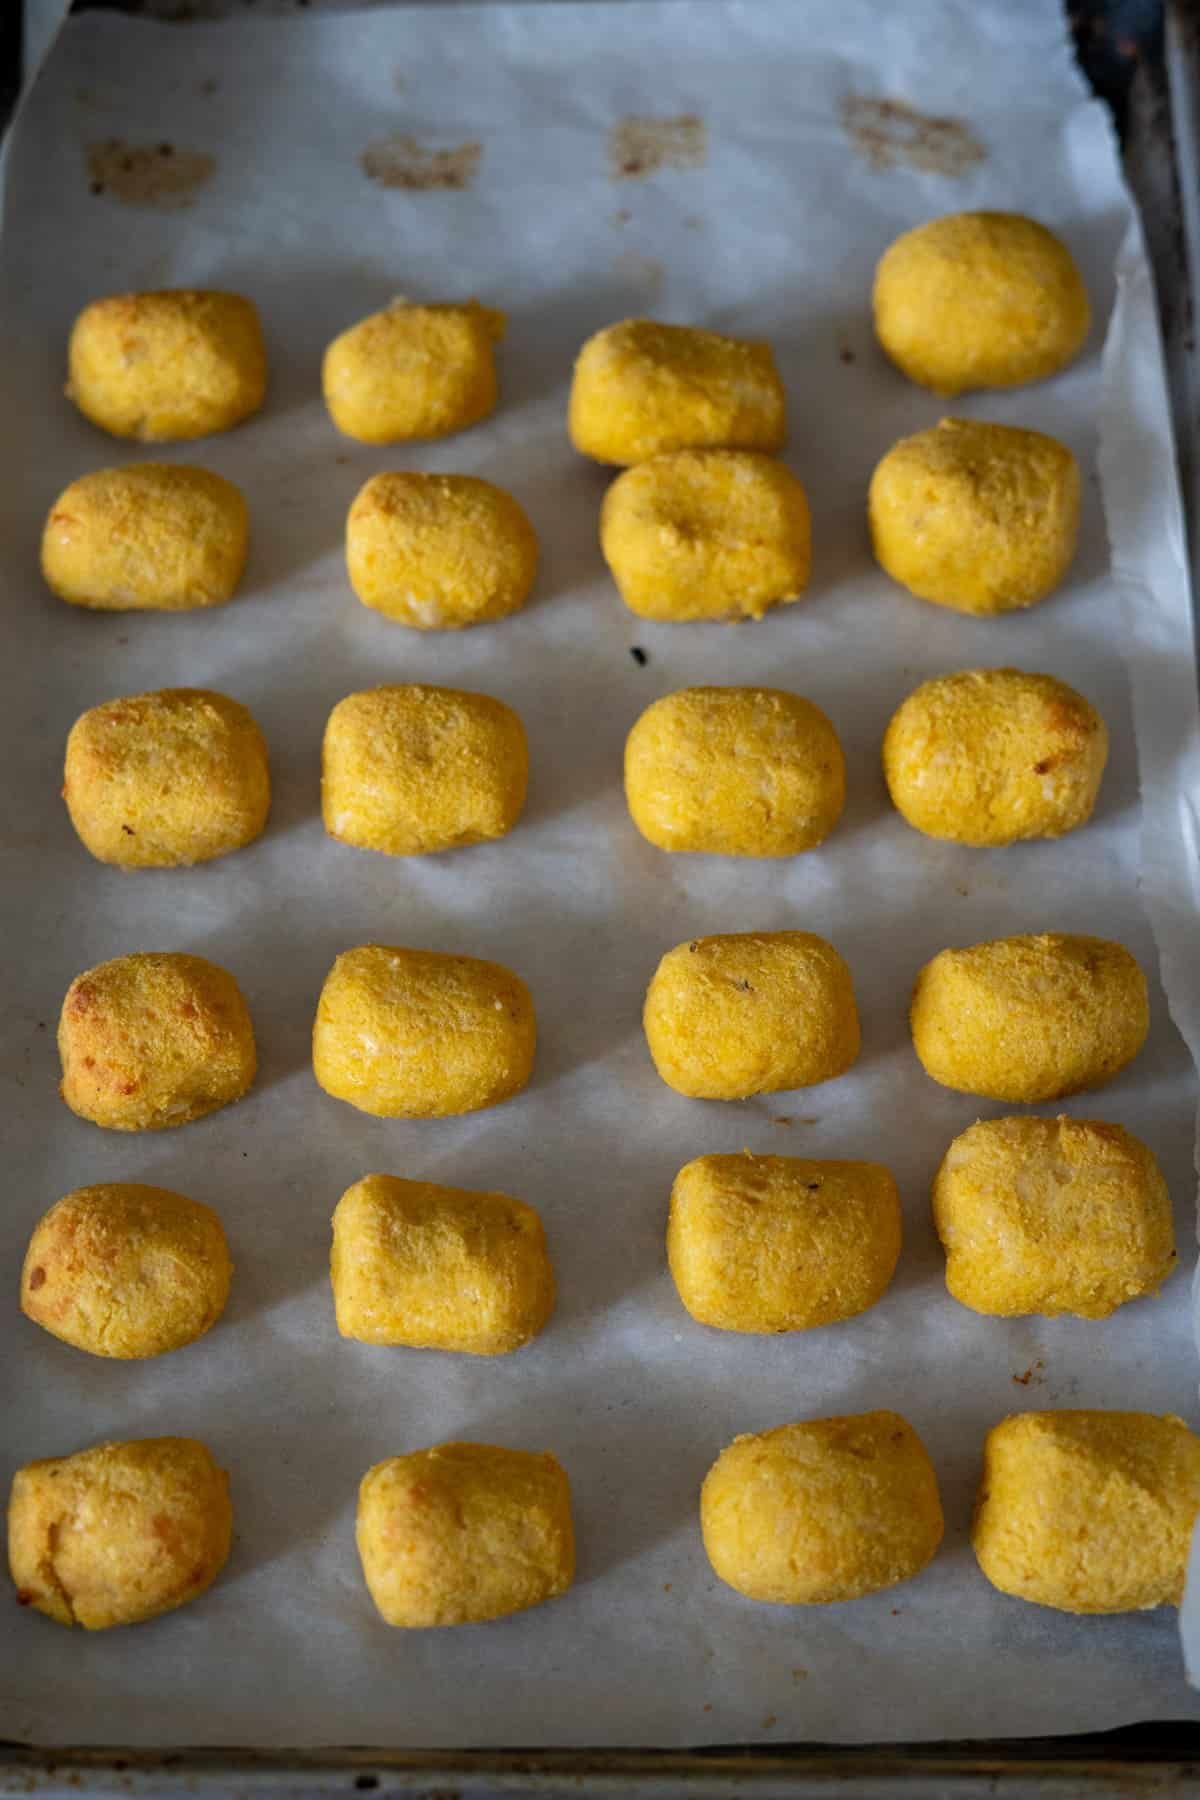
<point>1144,516</point>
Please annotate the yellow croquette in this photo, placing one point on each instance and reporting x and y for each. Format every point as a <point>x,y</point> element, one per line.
<point>418,1034</point>
<point>154,1040</point>
<point>734,772</point>
<point>149,537</point>
<point>750,1013</point>
<point>177,364</point>
<point>413,372</point>
<point>980,299</point>
<point>1088,1511</point>
<point>993,756</point>
<point>439,552</point>
<point>161,781</point>
<point>980,518</point>
<point>826,1510</point>
<point>119,1533</point>
<point>463,1533</point>
<point>438,1268</point>
<point>707,534</point>
<point>125,1270</point>
<point>781,1243</point>
<point>1030,1018</point>
<point>641,387</point>
<point>414,770</point>
<point>1052,1216</point>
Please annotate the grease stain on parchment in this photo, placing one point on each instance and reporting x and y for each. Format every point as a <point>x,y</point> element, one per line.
<point>158,175</point>
<point>403,162</point>
<point>889,134</point>
<point>640,146</point>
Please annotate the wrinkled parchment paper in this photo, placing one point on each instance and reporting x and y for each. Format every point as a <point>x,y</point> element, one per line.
<point>767,218</point>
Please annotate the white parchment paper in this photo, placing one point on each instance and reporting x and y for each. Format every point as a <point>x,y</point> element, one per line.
<point>776,234</point>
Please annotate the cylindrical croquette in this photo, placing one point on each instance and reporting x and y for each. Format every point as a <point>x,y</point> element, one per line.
<point>1088,1511</point>
<point>734,772</point>
<point>1052,1216</point>
<point>148,537</point>
<point>176,364</point>
<point>463,1533</point>
<point>980,299</point>
<point>438,1268</point>
<point>750,1013</point>
<point>413,770</point>
<point>118,1533</point>
<point>439,552</point>
<point>125,1270</point>
<point>781,1243</point>
<point>1030,1018</point>
<point>153,1040</point>
<point>641,387</point>
<point>165,780</point>
<point>707,534</point>
<point>413,372</point>
<point>826,1510</point>
<point>991,756</point>
<point>418,1034</point>
<point>980,518</point>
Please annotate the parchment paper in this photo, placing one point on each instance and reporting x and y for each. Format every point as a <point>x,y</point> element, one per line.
<point>776,234</point>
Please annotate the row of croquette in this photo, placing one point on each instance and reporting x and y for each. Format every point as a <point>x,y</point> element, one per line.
<point>158,1038</point>
<point>979,517</point>
<point>970,300</point>
<point>976,516</point>
<point>811,1513</point>
<point>983,757</point>
<point>1036,1216</point>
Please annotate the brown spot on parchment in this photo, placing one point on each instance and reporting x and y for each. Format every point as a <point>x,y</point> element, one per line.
<point>641,271</point>
<point>889,134</point>
<point>638,146</point>
<point>402,162</point>
<point>147,174</point>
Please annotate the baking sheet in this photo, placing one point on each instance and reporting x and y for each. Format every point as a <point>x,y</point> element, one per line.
<point>774,232</point>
